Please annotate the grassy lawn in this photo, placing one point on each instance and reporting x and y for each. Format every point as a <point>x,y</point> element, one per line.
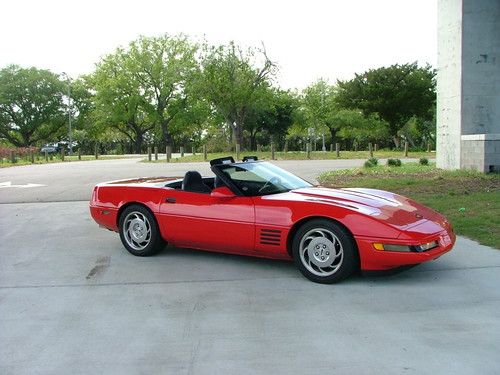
<point>5,163</point>
<point>299,155</point>
<point>470,200</point>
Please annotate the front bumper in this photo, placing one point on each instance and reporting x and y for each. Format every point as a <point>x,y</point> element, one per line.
<point>372,260</point>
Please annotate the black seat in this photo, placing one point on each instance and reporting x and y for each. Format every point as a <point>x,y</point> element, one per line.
<point>193,182</point>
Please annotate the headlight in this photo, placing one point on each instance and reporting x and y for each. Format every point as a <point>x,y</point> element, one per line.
<point>406,248</point>
<point>427,246</point>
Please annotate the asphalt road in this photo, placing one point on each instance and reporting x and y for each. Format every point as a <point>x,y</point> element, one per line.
<point>74,181</point>
<point>72,300</point>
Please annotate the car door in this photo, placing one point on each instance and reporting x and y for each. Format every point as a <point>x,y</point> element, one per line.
<point>204,221</point>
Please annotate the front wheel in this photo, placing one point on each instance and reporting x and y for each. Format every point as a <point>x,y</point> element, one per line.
<point>324,252</point>
<point>139,231</point>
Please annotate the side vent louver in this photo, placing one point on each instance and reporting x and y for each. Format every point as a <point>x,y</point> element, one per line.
<point>270,237</point>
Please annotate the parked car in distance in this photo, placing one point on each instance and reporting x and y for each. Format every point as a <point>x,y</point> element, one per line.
<point>50,148</point>
<point>56,147</point>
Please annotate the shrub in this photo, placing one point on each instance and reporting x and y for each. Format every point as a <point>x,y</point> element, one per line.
<point>424,161</point>
<point>372,162</point>
<point>394,162</point>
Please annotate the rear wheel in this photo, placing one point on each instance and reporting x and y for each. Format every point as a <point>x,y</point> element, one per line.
<point>324,252</point>
<point>139,231</point>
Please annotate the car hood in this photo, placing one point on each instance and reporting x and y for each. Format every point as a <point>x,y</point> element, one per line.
<point>396,210</point>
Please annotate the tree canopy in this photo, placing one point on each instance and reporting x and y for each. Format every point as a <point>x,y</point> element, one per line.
<point>396,93</point>
<point>167,90</point>
<point>31,105</point>
<point>232,83</point>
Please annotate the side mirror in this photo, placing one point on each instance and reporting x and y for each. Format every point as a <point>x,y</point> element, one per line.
<point>222,192</point>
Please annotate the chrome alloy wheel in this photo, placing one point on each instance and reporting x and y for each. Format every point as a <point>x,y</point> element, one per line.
<point>137,230</point>
<point>321,252</point>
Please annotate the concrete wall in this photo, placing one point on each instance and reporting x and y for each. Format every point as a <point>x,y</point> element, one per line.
<point>449,99</point>
<point>468,84</point>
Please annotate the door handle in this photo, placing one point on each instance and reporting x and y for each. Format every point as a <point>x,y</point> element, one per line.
<point>170,200</point>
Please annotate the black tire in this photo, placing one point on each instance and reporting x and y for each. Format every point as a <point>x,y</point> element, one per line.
<point>139,231</point>
<point>324,251</point>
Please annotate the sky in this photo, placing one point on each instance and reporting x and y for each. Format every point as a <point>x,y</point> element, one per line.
<point>308,39</point>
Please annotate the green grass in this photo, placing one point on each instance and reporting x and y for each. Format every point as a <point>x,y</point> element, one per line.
<point>5,163</point>
<point>470,200</point>
<point>298,155</point>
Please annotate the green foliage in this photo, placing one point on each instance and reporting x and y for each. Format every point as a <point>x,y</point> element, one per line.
<point>271,117</point>
<point>321,109</point>
<point>370,163</point>
<point>168,90</point>
<point>394,162</point>
<point>31,105</point>
<point>145,87</point>
<point>424,161</point>
<point>233,85</point>
<point>362,129</point>
<point>396,93</point>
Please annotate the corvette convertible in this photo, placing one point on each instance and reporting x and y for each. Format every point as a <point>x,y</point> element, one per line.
<point>255,208</point>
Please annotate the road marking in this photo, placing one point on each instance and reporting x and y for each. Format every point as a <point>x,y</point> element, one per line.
<point>9,184</point>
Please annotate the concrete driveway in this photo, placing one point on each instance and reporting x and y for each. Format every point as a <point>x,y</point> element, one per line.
<point>72,300</point>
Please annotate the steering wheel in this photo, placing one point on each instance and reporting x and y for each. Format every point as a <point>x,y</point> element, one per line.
<point>274,180</point>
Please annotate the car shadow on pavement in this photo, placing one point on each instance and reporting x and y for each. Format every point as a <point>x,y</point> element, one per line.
<point>279,268</point>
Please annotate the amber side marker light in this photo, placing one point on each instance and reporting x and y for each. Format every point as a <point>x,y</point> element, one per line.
<point>406,248</point>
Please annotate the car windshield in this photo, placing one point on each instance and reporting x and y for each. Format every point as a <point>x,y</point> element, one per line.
<point>262,178</point>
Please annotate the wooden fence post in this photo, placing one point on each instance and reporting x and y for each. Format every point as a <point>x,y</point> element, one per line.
<point>46,156</point>
<point>62,154</point>
<point>168,151</point>
<point>32,156</point>
<point>337,149</point>
<point>370,149</point>
<point>182,152</point>
<point>428,146</point>
<point>272,151</point>
<point>238,149</point>
<point>96,150</point>
<point>205,157</point>
<point>79,154</point>
<point>308,150</point>
<point>149,153</point>
<point>156,152</point>
<point>376,147</point>
<point>12,156</point>
<point>406,148</point>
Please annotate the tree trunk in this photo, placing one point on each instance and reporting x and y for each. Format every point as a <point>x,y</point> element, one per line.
<point>253,141</point>
<point>396,141</point>
<point>333,133</point>
<point>164,122</point>
<point>138,142</point>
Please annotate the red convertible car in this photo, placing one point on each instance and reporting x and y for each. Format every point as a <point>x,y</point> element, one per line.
<point>255,208</point>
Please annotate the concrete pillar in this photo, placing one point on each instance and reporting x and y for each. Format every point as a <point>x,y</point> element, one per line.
<point>468,90</point>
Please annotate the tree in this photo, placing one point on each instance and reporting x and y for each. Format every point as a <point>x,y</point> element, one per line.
<point>119,100</point>
<point>272,114</point>
<point>31,105</point>
<point>143,87</point>
<point>321,108</point>
<point>396,93</point>
<point>232,84</point>
<point>359,128</point>
<point>164,67</point>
